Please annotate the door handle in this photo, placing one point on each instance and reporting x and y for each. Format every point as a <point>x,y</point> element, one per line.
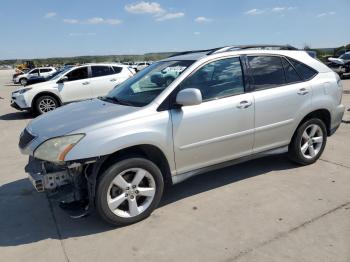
<point>303,91</point>
<point>113,80</point>
<point>86,83</point>
<point>244,104</point>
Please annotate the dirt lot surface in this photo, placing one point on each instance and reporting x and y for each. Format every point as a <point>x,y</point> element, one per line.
<point>263,210</point>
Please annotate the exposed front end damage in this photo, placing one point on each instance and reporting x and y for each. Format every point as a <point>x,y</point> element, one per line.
<point>71,184</point>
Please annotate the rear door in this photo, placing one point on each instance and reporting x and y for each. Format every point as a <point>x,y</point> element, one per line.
<point>280,95</point>
<point>77,87</point>
<point>103,79</point>
<point>221,128</point>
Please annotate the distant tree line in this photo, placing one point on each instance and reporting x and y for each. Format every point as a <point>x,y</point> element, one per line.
<point>322,53</point>
<point>89,59</point>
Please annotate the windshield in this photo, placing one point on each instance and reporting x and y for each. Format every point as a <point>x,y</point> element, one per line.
<point>61,73</point>
<point>345,56</point>
<point>145,86</point>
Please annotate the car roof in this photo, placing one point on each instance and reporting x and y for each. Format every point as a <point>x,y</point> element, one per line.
<point>43,67</point>
<point>102,64</point>
<point>206,55</point>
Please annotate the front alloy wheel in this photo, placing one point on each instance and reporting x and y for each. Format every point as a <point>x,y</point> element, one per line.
<point>128,191</point>
<point>23,81</point>
<point>45,104</point>
<point>131,192</point>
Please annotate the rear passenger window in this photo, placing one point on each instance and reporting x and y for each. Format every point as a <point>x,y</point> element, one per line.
<point>117,69</point>
<point>291,75</point>
<point>267,71</point>
<point>304,71</point>
<point>101,71</point>
<point>217,79</point>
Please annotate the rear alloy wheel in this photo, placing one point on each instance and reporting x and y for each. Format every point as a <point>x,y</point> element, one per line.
<point>129,191</point>
<point>45,104</point>
<point>311,141</point>
<point>308,142</point>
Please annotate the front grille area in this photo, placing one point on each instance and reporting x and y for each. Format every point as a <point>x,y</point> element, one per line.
<point>25,139</point>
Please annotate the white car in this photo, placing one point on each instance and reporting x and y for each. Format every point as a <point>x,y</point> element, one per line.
<point>138,66</point>
<point>40,71</point>
<point>74,84</point>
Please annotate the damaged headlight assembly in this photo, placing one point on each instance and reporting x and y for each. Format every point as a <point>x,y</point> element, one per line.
<point>56,149</point>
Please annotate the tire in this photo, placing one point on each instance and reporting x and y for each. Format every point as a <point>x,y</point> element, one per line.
<point>119,189</point>
<point>45,104</point>
<point>23,81</point>
<point>308,142</point>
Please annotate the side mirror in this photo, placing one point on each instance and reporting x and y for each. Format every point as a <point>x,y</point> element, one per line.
<point>63,79</point>
<point>189,97</point>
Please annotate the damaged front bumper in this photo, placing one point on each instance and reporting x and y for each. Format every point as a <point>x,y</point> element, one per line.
<point>73,184</point>
<point>46,176</point>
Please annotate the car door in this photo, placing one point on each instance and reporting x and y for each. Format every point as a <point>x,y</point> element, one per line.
<point>34,72</point>
<point>280,96</point>
<point>77,86</point>
<point>221,128</point>
<point>103,79</point>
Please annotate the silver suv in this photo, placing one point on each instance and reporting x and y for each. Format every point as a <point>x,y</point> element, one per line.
<point>116,153</point>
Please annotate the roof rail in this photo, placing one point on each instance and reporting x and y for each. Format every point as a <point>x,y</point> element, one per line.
<point>258,47</point>
<point>208,51</point>
<point>235,48</point>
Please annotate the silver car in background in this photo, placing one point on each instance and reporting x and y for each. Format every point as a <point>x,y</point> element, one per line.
<point>116,153</point>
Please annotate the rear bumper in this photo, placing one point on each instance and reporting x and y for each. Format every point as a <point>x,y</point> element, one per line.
<point>337,117</point>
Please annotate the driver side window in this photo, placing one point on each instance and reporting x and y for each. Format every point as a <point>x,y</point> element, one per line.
<point>35,71</point>
<point>78,74</point>
<point>217,79</point>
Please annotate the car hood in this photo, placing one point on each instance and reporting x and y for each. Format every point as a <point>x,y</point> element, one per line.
<point>77,116</point>
<point>36,85</point>
<point>336,60</point>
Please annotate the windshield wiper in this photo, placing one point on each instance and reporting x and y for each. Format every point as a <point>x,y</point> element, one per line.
<point>116,100</point>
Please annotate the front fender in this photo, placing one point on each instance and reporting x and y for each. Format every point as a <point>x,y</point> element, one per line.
<point>155,130</point>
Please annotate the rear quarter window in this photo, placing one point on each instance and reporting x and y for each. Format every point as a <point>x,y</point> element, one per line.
<point>117,69</point>
<point>305,72</point>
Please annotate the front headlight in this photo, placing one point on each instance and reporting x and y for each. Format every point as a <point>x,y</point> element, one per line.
<point>22,91</point>
<point>56,149</point>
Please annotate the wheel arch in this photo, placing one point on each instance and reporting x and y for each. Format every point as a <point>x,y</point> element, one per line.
<point>45,93</point>
<point>147,151</point>
<point>322,114</point>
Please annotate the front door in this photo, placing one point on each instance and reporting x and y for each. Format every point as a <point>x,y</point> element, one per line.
<point>77,87</point>
<point>221,128</point>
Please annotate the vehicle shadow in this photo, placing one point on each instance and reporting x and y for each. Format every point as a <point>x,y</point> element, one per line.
<point>14,85</point>
<point>28,217</point>
<point>17,116</point>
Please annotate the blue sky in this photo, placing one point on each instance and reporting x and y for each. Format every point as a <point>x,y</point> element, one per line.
<point>51,28</point>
